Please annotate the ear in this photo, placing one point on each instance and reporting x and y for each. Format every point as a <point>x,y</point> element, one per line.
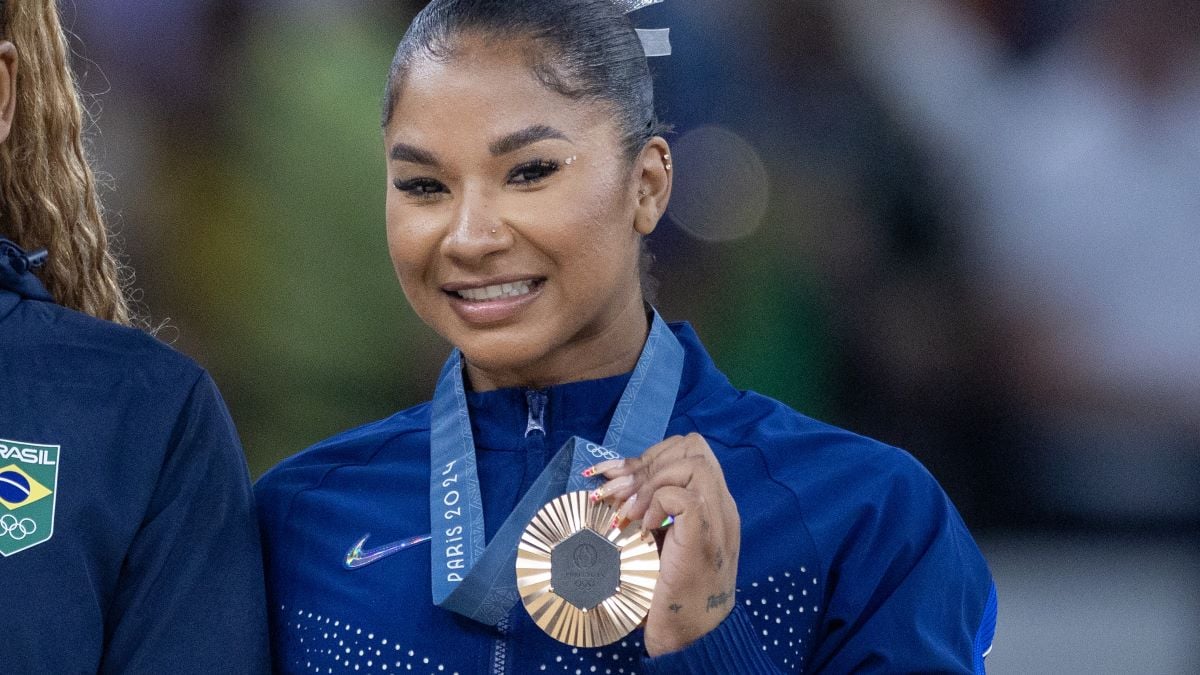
<point>654,176</point>
<point>8,87</point>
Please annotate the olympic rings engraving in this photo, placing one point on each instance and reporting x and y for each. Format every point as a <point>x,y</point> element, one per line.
<point>10,527</point>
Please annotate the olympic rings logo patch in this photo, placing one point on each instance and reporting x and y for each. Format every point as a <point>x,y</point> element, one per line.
<point>18,529</point>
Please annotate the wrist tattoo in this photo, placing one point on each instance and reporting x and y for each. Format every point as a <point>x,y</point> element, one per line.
<point>717,601</point>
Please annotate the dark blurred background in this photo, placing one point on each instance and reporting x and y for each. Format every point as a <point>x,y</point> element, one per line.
<point>970,229</point>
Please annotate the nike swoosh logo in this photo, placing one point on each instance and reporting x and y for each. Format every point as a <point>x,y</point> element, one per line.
<point>356,557</point>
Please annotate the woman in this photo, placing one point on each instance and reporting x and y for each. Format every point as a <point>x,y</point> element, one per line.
<point>126,517</point>
<point>524,171</point>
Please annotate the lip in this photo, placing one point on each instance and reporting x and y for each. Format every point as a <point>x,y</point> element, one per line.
<point>497,310</point>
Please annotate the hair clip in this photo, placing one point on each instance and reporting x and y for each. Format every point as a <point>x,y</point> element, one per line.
<point>655,41</point>
<point>628,6</point>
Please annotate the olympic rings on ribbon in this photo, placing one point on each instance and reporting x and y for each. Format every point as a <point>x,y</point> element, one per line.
<point>10,527</point>
<point>601,452</point>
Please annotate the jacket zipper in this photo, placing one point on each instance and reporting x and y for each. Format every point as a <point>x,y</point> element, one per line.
<point>535,420</point>
<point>500,649</point>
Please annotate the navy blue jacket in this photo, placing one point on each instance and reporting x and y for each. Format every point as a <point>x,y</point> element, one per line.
<point>852,557</point>
<point>126,515</point>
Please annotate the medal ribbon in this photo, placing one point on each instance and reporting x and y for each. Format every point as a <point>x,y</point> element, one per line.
<point>478,580</point>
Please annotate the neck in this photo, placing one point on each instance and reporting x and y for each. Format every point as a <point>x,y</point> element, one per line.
<point>611,351</point>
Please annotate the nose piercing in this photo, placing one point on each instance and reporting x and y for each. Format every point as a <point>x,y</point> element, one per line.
<point>570,160</point>
<point>493,230</point>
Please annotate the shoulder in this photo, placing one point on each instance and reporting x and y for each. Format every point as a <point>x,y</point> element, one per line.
<point>843,485</point>
<point>354,447</point>
<point>795,447</point>
<point>84,349</point>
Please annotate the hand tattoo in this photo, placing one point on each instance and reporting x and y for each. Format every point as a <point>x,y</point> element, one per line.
<point>675,608</point>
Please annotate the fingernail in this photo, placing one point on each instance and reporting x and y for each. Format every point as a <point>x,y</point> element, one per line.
<point>595,496</point>
<point>589,472</point>
<point>623,512</point>
<point>606,465</point>
<point>667,521</point>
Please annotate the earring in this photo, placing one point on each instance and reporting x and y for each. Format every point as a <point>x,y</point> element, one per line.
<point>667,162</point>
<point>642,193</point>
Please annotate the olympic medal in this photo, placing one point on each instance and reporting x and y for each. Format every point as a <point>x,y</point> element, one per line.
<point>585,582</point>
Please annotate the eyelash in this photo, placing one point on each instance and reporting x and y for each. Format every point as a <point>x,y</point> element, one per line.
<point>420,188</point>
<point>527,174</point>
<point>545,169</point>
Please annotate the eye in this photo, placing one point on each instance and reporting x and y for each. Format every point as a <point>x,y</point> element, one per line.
<point>420,188</point>
<point>532,172</point>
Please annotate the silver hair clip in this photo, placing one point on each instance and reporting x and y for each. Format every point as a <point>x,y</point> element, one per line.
<point>655,41</point>
<point>628,6</point>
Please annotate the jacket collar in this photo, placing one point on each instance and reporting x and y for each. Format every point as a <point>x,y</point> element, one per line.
<point>499,418</point>
<point>16,271</point>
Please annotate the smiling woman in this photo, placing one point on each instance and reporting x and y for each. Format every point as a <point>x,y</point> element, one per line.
<point>525,168</point>
<point>527,263</point>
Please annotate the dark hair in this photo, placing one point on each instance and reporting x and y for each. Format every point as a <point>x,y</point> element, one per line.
<point>584,50</point>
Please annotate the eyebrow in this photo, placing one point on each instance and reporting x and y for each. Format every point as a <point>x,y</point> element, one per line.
<point>524,137</point>
<point>403,152</point>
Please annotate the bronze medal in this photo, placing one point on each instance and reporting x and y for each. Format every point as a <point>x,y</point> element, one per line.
<point>585,582</point>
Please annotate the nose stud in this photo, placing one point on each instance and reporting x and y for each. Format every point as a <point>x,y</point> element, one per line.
<point>493,230</point>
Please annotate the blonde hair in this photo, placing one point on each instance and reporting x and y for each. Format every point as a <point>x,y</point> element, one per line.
<point>47,188</point>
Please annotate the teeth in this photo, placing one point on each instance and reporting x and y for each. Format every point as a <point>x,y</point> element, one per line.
<point>498,291</point>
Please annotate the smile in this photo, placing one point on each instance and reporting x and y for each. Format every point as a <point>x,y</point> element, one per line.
<point>497,291</point>
<point>490,302</point>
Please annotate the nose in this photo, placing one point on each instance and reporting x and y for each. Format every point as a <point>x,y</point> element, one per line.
<point>477,230</point>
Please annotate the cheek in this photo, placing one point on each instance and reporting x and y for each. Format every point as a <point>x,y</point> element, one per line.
<point>412,240</point>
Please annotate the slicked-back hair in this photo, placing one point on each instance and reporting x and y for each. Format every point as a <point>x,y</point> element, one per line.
<point>586,50</point>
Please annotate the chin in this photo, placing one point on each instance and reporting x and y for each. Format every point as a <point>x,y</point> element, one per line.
<point>510,352</point>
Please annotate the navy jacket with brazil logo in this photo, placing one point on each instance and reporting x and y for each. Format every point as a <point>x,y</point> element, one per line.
<point>852,560</point>
<point>127,542</point>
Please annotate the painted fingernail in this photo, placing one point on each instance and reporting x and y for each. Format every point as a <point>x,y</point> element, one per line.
<point>667,522</point>
<point>624,511</point>
<point>621,519</point>
<point>606,465</point>
<point>589,472</point>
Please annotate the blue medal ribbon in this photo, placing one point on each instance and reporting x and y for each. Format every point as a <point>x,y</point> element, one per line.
<point>476,579</point>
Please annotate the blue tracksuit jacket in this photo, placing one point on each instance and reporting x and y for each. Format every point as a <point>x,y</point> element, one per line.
<point>127,537</point>
<point>852,557</point>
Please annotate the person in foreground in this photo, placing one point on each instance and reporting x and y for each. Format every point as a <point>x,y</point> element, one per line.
<point>524,171</point>
<point>127,536</point>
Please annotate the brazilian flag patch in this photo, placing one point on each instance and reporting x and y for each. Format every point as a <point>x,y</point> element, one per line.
<point>28,482</point>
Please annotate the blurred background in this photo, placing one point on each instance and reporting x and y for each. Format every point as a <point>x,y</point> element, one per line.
<point>969,228</point>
